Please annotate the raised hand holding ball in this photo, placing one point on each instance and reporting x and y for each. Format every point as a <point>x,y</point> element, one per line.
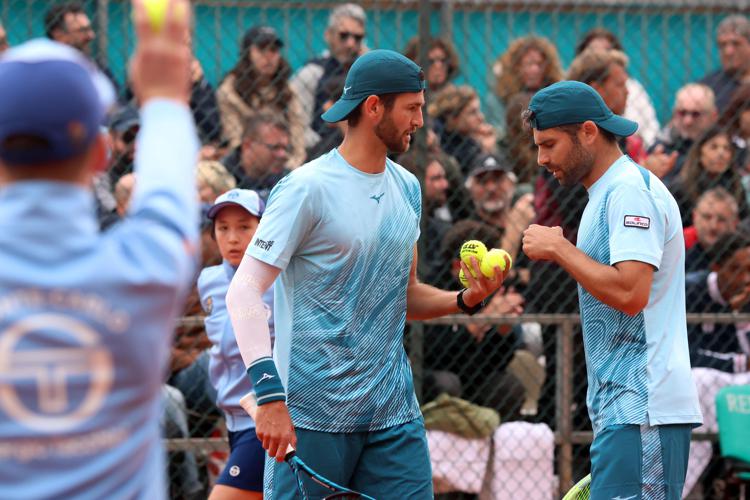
<point>497,257</point>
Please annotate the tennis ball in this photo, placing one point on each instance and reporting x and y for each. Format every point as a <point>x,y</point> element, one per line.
<point>472,248</point>
<point>495,257</point>
<point>157,12</point>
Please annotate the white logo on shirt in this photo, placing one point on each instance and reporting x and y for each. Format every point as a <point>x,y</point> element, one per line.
<point>78,357</point>
<point>618,497</point>
<point>637,221</point>
<point>234,471</point>
<point>266,376</point>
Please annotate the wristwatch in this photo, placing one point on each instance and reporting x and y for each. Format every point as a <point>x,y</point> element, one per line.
<point>466,309</point>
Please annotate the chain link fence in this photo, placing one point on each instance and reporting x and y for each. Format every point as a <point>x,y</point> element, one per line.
<point>263,73</point>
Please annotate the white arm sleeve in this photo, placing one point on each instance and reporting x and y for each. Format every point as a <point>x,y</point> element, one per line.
<point>246,309</point>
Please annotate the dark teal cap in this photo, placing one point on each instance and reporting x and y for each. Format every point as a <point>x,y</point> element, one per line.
<point>568,102</point>
<point>376,72</point>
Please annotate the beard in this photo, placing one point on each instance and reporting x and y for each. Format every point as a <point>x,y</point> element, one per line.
<point>393,139</point>
<point>577,165</point>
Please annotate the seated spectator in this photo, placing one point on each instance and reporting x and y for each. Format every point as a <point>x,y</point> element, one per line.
<point>3,39</point>
<point>333,134</point>
<point>213,179</point>
<point>464,134</point>
<point>606,71</point>
<point>720,352</point>
<point>710,163</point>
<point>736,119</point>
<point>442,62</point>
<point>715,214</point>
<point>235,216</point>
<point>344,37</point>
<point>258,163</point>
<point>436,217</point>
<point>478,354</point>
<point>492,186</point>
<point>124,124</point>
<point>639,106</point>
<point>694,112</point>
<point>258,81</point>
<point>530,63</point>
<point>733,40</point>
<point>68,23</point>
<point>518,144</point>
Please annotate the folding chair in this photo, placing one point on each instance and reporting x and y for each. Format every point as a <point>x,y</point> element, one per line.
<point>733,417</point>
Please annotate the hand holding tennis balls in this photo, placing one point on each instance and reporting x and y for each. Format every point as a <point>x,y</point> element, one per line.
<point>497,257</point>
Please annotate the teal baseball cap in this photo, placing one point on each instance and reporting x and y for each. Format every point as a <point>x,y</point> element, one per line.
<point>568,102</point>
<point>376,72</point>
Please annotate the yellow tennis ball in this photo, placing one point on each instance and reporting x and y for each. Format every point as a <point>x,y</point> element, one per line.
<point>495,257</point>
<point>157,12</point>
<point>472,248</point>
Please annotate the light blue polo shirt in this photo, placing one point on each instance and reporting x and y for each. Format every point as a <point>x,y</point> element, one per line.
<point>344,240</point>
<point>86,322</point>
<point>638,366</point>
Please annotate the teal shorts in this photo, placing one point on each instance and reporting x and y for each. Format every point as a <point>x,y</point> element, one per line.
<point>640,462</point>
<point>392,463</point>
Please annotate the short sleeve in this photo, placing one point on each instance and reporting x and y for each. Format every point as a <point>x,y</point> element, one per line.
<point>286,222</point>
<point>636,226</point>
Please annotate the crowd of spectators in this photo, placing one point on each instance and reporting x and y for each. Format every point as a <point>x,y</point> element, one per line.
<point>477,166</point>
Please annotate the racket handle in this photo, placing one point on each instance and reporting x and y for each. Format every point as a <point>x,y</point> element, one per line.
<point>250,405</point>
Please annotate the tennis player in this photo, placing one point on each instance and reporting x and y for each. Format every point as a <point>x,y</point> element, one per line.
<point>86,317</point>
<point>629,263</point>
<point>340,233</point>
<point>235,216</point>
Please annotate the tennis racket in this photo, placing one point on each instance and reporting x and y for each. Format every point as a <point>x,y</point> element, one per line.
<point>300,469</point>
<point>580,491</point>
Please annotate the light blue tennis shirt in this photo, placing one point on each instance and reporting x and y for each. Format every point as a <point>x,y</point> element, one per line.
<point>344,240</point>
<point>86,322</point>
<point>638,366</point>
<point>226,369</point>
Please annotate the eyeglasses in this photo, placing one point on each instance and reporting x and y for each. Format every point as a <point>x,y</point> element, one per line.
<point>692,113</point>
<point>277,147</point>
<point>345,35</point>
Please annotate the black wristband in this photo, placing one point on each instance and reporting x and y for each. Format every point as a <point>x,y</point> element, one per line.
<point>466,309</point>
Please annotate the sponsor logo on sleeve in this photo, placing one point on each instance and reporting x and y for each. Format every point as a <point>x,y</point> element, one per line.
<point>263,245</point>
<point>637,221</point>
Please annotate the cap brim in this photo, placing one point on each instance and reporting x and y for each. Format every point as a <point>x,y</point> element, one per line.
<point>621,127</point>
<point>211,214</point>
<point>341,109</point>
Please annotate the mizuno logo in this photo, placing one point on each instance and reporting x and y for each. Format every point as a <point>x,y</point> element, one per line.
<point>266,376</point>
<point>347,89</point>
<point>377,197</point>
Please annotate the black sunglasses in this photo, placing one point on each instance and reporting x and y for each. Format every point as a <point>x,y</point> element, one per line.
<point>344,35</point>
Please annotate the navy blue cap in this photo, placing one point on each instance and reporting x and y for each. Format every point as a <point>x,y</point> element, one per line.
<point>569,102</point>
<point>261,36</point>
<point>124,118</point>
<point>376,72</point>
<point>52,92</point>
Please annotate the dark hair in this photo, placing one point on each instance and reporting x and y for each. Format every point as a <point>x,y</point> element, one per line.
<point>412,50</point>
<point>740,102</point>
<point>54,19</point>
<point>573,128</point>
<point>693,177</point>
<point>591,35</point>
<point>264,117</point>
<point>726,246</point>
<point>388,101</point>
<point>467,230</point>
<point>247,82</point>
